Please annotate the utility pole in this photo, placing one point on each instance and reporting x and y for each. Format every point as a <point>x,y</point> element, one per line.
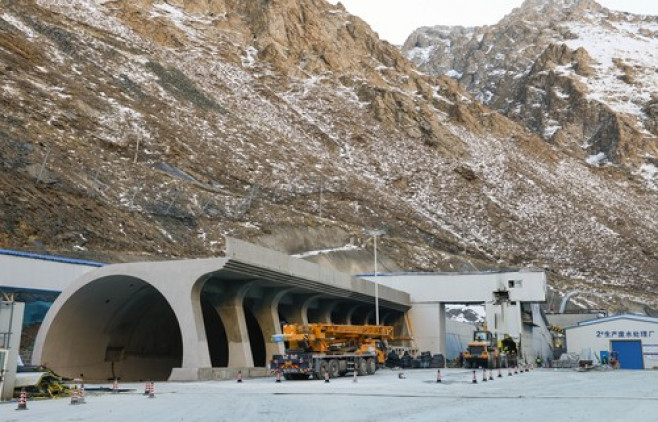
<point>321,192</point>
<point>375,234</point>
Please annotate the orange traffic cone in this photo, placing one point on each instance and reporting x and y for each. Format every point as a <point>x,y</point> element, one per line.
<point>147,388</point>
<point>326,377</point>
<point>278,376</point>
<point>516,370</point>
<point>500,374</point>
<point>115,386</point>
<point>81,392</point>
<point>239,379</point>
<point>22,402</point>
<point>509,371</point>
<point>491,374</point>
<point>355,377</point>
<point>151,390</point>
<point>527,368</point>
<point>484,375</point>
<point>438,375</point>
<point>74,396</point>
<point>475,378</point>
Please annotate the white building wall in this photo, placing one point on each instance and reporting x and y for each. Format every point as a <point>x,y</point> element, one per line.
<point>428,322</point>
<point>542,341</point>
<point>504,319</point>
<point>458,335</point>
<point>429,292</point>
<point>594,338</point>
<point>464,288</point>
<point>11,324</point>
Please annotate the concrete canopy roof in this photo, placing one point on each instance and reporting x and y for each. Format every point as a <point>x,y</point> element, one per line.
<point>145,319</point>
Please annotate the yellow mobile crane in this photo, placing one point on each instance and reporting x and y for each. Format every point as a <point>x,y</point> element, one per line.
<point>320,349</point>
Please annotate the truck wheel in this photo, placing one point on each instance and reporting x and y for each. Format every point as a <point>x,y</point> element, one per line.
<point>361,367</point>
<point>334,370</point>
<point>323,368</point>
<point>342,367</point>
<point>371,366</point>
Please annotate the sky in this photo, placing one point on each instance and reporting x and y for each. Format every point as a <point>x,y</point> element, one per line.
<point>395,20</point>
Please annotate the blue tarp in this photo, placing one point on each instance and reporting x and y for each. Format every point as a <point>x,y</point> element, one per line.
<point>51,258</point>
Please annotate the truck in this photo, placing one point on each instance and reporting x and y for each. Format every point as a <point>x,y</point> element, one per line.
<point>330,350</point>
<point>486,352</point>
<point>482,351</point>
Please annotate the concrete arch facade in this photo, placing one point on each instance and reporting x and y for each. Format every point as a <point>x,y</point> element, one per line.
<point>186,320</point>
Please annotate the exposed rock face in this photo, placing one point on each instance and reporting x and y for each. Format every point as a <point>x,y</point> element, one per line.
<point>145,127</point>
<point>577,74</point>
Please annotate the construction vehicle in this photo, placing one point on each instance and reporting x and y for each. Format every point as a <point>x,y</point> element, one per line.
<point>483,351</point>
<point>510,352</point>
<point>321,350</point>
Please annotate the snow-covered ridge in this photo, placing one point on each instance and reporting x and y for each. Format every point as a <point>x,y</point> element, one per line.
<point>620,48</point>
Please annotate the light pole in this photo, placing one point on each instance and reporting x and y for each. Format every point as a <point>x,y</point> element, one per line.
<point>374,234</point>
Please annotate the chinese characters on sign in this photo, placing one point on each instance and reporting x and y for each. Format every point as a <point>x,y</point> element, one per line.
<point>624,334</point>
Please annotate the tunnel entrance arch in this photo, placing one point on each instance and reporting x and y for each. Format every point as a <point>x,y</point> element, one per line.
<point>116,326</point>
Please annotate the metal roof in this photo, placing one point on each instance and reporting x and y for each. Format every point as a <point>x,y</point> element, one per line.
<point>50,258</point>
<point>631,317</point>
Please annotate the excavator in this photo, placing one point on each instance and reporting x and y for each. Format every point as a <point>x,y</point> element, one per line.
<point>321,350</point>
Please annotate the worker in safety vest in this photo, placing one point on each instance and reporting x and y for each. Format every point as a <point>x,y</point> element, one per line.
<point>538,361</point>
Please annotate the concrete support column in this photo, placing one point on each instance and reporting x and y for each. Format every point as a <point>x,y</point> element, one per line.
<point>267,314</point>
<point>193,334</point>
<point>326,308</point>
<point>11,320</point>
<point>307,303</point>
<point>442,328</point>
<point>294,314</point>
<point>350,314</point>
<point>370,316</point>
<point>231,311</point>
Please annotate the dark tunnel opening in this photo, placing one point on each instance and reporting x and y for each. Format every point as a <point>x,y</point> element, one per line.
<point>215,334</point>
<point>256,339</point>
<point>117,326</point>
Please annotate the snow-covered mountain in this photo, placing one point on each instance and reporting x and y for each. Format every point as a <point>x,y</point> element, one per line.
<point>579,75</point>
<point>133,129</point>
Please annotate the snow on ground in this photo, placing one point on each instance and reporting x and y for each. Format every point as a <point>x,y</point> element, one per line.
<point>466,313</point>
<point>538,396</point>
<point>348,247</point>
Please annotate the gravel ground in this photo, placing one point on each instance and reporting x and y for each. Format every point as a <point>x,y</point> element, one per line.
<point>537,396</point>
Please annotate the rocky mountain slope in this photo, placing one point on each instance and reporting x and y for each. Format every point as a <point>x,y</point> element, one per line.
<point>150,129</point>
<point>581,76</point>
